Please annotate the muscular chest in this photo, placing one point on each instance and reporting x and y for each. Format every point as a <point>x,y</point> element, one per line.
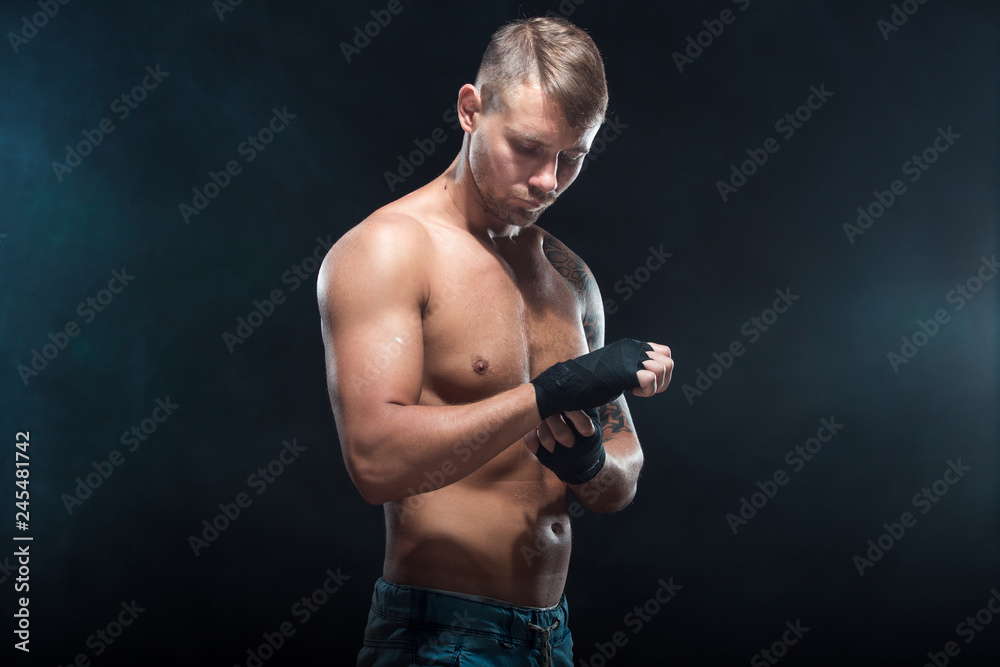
<point>494,320</point>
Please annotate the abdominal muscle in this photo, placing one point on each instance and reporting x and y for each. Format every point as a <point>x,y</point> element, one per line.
<point>502,532</point>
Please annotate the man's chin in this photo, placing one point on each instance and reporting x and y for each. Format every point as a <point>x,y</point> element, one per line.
<point>531,215</point>
<point>519,217</point>
<point>527,220</point>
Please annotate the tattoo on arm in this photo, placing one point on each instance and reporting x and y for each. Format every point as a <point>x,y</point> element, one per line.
<point>578,275</point>
<point>568,264</point>
<point>593,329</point>
<point>615,419</point>
<point>614,416</point>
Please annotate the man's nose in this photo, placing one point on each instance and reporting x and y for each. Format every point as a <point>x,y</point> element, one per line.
<point>544,178</point>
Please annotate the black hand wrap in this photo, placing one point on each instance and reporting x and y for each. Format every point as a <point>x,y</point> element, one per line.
<point>591,380</point>
<point>581,462</point>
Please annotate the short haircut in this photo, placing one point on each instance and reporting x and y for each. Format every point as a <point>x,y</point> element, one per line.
<point>556,54</point>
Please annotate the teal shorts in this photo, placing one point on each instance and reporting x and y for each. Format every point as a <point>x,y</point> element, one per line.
<point>410,625</point>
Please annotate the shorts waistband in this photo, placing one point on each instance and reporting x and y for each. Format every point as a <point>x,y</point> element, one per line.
<point>476,598</point>
<point>436,610</point>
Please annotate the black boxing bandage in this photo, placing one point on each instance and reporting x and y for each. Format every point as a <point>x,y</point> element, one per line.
<point>591,380</point>
<point>581,462</point>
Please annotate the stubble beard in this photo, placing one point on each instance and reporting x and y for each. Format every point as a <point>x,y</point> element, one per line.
<point>512,213</point>
<point>506,208</point>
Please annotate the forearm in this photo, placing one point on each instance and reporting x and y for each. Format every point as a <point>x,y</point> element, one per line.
<point>402,450</point>
<point>614,487</point>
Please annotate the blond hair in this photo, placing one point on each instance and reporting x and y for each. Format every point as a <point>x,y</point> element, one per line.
<point>554,53</point>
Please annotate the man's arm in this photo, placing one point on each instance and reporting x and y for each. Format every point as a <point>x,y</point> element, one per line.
<point>372,289</point>
<point>614,486</point>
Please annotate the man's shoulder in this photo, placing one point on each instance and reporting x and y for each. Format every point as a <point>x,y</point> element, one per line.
<point>388,234</point>
<point>386,244</point>
<point>391,227</point>
<point>569,265</point>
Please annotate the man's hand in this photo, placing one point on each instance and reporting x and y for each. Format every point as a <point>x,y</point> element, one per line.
<point>569,446</point>
<point>555,429</point>
<point>656,375</point>
<point>594,379</point>
<point>570,442</point>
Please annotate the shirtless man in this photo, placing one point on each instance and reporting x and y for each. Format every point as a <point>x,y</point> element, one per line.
<point>445,315</point>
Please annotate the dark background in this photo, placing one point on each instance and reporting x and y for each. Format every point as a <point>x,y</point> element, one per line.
<point>678,133</point>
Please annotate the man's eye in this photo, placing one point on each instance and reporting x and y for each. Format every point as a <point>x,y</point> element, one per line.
<point>573,157</point>
<point>529,150</point>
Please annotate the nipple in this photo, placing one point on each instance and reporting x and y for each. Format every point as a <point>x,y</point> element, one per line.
<point>480,365</point>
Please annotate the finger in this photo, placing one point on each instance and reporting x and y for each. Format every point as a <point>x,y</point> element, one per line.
<point>560,430</point>
<point>545,437</point>
<point>659,349</point>
<point>647,383</point>
<point>668,372</point>
<point>657,357</point>
<point>582,422</point>
<point>531,441</point>
<point>662,368</point>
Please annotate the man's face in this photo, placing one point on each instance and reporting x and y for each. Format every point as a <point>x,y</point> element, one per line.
<point>525,155</point>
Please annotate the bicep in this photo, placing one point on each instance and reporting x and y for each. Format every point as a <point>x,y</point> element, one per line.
<point>370,304</point>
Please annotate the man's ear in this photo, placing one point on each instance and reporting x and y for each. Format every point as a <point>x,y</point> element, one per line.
<point>469,104</point>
